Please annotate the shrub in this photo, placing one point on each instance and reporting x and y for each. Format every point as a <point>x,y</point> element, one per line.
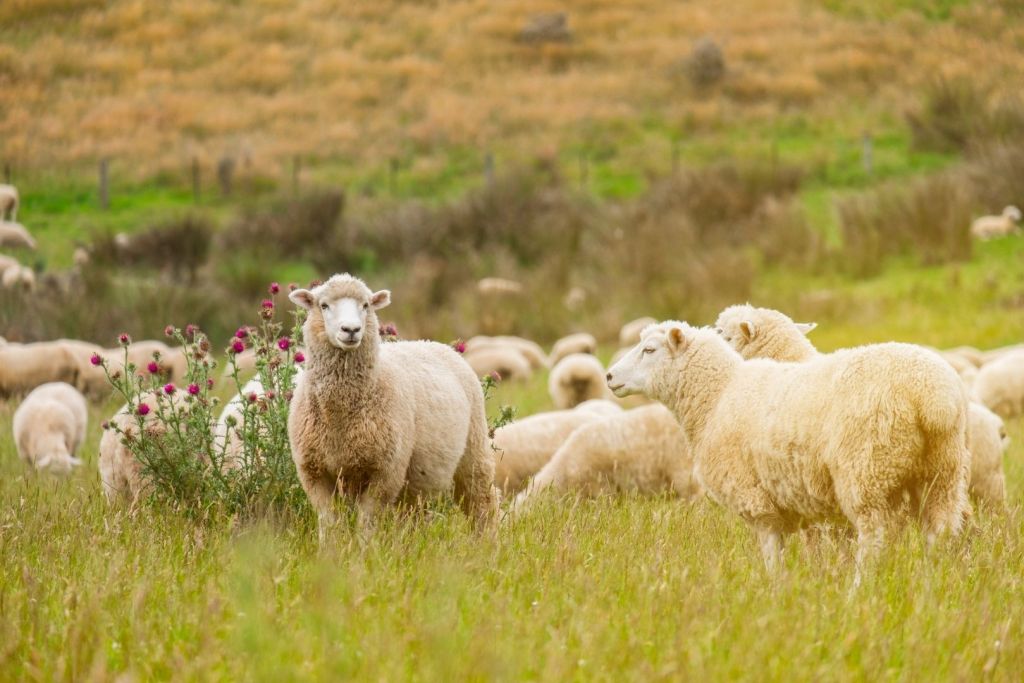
<point>306,227</point>
<point>178,247</point>
<point>706,64</point>
<point>184,466</point>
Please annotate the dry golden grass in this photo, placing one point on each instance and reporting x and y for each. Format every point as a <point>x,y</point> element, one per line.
<point>159,81</point>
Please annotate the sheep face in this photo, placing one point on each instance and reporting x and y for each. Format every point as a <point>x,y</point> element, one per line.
<point>632,373</point>
<point>1013,213</point>
<point>54,456</point>
<point>344,305</point>
<point>740,326</point>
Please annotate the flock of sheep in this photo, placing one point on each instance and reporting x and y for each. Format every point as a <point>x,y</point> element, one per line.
<point>13,234</point>
<point>747,412</point>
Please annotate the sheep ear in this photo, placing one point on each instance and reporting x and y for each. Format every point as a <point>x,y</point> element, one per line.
<point>304,298</point>
<point>748,329</point>
<point>805,328</point>
<point>380,299</point>
<point>677,341</point>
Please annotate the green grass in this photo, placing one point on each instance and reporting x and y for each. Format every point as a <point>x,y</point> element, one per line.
<point>613,589</point>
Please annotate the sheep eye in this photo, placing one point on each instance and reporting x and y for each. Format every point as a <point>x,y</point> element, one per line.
<point>366,307</point>
<point>647,350</point>
<point>324,307</point>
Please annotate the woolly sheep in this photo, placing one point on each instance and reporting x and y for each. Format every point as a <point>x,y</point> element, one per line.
<point>524,446</point>
<point>49,426</point>
<point>776,337</point>
<point>968,353</point>
<point>18,277</point>
<point>121,474</point>
<point>967,370</point>
<point>532,351</point>
<point>1000,385</point>
<point>987,227</point>
<point>506,361</point>
<point>225,435</point>
<point>574,343</point>
<point>575,298</point>
<point>575,379</point>
<point>844,434</point>
<point>9,201</point>
<point>8,262</point>
<point>600,406</point>
<point>15,235</point>
<point>629,335</point>
<point>377,422</point>
<point>642,450</point>
<point>997,353</point>
<point>23,367</point>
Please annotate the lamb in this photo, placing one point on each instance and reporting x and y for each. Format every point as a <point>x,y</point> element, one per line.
<point>15,235</point>
<point>843,435</point>
<point>987,227</point>
<point>506,361</point>
<point>49,427</point>
<point>9,201</point>
<point>524,446</point>
<point>532,351</point>
<point>765,333</point>
<point>1000,385</point>
<point>18,277</point>
<point>575,379</point>
<point>629,335</point>
<point>23,367</point>
<point>574,343</point>
<point>382,422</point>
<point>642,450</point>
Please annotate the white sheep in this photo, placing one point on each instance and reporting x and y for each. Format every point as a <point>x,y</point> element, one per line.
<point>766,333</point>
<point>49,427</point>
<point>8,262</point>
<point>574,343</point>
<point>575,379</point>
<point>23,367</point>
<point>523,447</point>
<point>18,277</point>
<point>498,286</point>
<point>9,201</point>
<point>380,422</point>
<point>15,235</point>
<point>600,406</point>
<point>531,350</point>
<point>629,335</point>
<point>642,451</point>
<point>987,227</point>
<point>968,353</point>
<point>508,362</point>
<point>997,353</point>
<point>843,435</point>
<point>226,433</point>
<point>1000,385</point>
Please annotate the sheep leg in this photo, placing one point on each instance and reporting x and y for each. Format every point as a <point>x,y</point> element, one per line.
<point>870,540</point>
<point>474,483</point>
<point>381,492</point>
<point>771,540</point>
<point>320,489</point>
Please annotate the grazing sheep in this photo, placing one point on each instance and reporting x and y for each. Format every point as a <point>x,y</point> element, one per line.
<point>642,450</point>
<point>532,351</point>
<point>49,426</point>
<point>968,353</point>
<point>574,343</point>
<point>498,286</point>
<point>1000,385</point>
<point>121,473</point>
<point>967,370</point>
<point>15,235</point>
<point>575,298</point>
<point>23,367</point>
<point>18,277</point>
<point>629,335</point>
<point>9,201</point>
<point>987,227</point>
<point>842,435</point>
<point>8,262</point>
<point>523,447</point>
<point>997,353</point>
<point>576,378</point>
<point>382,422</point>
<point>506,361</point>
<point>776,337</point>
<point>600,406</point>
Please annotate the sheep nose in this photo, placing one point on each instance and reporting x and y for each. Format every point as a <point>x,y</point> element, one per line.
<point>351,329</point>
<point>608,377</point>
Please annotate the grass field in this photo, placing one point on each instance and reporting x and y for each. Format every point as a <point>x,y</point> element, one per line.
<point>612,589</point>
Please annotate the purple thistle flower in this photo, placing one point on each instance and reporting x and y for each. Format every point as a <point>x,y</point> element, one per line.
<point>105,425</point>
<point>153,367</point>
<point>299,357</point>
<point>237,346</point>
<point>274,288</point>
<point>169,389</point>
<point>496,376</point>
<point>124,339</point>
<point>193,389</point>
<point>292,286</point>
<point>190,331</point>
<point>241,333</point>
<point>95,360</point>
<point>460,346</point>
<point>253,397</point>
<point>284,343</point>
<point>143,409</point>
<point>169,331</point>
<point>267,303</point>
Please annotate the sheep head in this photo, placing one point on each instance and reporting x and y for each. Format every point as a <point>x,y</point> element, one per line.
<point>344,308</point>
<point>658,345</point>
<point>745,327</point>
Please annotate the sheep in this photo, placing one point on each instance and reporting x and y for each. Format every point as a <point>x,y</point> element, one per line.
<point>574,299</point>
<point>574,343</point>
<point>967,370</point>
<point>642,450</point>
<point>49,426</point>
<point>506,361</point>
<point>226,437</point>
<point>23,367</point>
<point>8,262</point>
<point>600,406</point>
<point>629,335</point>
<point>842,435</point>
<point>1000,385</point>
<point>497,286</point>
<point>968,353</point>
<point>532,351</point>
<point>9,201</point>
<point>575,379</point>
<point>987,227</point>
<point>18,277</point>
<point>121,473</point>
<point>378,422</point>
<point>524,446</point>
<point>15,235</point>
<point>997,353</point>
<point>776,337</point>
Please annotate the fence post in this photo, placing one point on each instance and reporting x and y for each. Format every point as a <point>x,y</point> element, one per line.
<point>195,179</point>
<point>296,170</point>
<point>104,184</point>
<point>867,145</point>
